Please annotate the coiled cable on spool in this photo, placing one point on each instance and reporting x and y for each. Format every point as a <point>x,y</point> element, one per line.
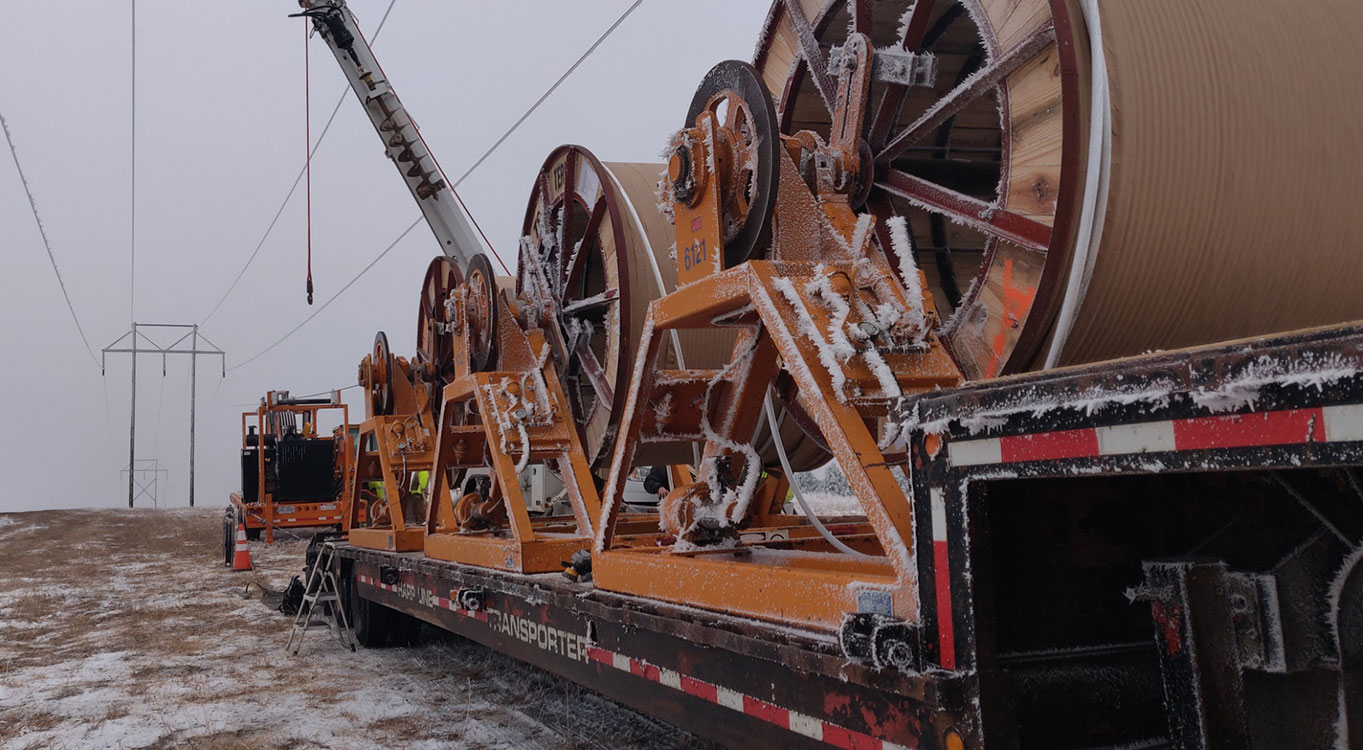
<point>1097,176</point>
<point>814,521</point>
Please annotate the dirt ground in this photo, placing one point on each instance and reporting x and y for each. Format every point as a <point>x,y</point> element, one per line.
<point>122,629</point>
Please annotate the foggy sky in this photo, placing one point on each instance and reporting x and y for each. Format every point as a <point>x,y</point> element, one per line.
<point>220,137</point>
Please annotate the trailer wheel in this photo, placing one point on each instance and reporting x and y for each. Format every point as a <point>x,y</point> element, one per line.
<point>229,542</point>
<point>371,622</point>
<point>404,630</point>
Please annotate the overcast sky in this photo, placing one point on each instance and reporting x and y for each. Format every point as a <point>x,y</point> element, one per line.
<point>220,138</point>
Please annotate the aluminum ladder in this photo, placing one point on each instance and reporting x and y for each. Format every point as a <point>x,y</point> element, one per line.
<point>321,588</point>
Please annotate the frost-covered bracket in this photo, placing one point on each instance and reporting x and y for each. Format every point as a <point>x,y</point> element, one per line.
<point>894,66</point>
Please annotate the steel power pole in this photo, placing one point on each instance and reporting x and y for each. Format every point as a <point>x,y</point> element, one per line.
<point>150,346</point>
<point>132,419</point>
<point>193,400</point>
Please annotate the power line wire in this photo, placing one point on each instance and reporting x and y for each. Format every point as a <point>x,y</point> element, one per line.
<point>547,93</point>
<point>457,183</point>
<point>333,297</point>
<point>296,181</point>
<point>33,204</point>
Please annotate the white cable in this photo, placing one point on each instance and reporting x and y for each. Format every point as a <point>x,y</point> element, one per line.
<point>663,291</point>
<point>1094,209</point>
<point>799,497</point>
<point>658,277</point>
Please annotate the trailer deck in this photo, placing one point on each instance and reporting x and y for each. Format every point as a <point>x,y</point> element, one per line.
<point>1244,451</point>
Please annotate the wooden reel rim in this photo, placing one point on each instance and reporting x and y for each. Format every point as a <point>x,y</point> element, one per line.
<point>481,281</point>
<point>434,346</point>
<point>602,369</point>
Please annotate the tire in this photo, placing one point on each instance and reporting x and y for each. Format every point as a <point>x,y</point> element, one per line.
<point>369,621</point>
<point>229,542</point>
<point>253,535</point>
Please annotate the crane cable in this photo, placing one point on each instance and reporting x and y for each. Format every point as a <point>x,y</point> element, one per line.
<point>289,196</point>
<point>307,142</point>
<point>456,184</point>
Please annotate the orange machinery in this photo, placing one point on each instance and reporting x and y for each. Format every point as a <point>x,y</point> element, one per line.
<point>824,304</point>
<point>291,476</point>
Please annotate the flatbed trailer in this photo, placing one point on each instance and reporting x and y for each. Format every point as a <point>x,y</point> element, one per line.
<point>1159,551</point>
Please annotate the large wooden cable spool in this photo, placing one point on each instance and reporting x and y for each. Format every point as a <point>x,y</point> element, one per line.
<point>607,212</point>
<point>1211,208</point>
<point>434,346</point>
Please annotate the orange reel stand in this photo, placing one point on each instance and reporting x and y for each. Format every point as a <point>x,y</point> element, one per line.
<point>504,415</point>
<point>395,443</point>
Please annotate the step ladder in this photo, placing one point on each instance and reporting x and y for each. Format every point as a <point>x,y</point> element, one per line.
<point>321,588</point>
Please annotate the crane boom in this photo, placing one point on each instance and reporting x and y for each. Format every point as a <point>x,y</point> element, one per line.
<point>449,221</point>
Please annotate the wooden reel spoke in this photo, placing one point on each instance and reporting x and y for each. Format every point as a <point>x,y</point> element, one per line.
<point>983,163</point>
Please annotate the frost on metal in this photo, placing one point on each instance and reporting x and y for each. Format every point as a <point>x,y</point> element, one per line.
<point>960,314</point>
<point>662,194</point>
<point>1334,597</point>
<point>810,330</point>
<point>1037,402</point>
<point>902,31</point>
<point>1242,391</point>
<point>902,246</point>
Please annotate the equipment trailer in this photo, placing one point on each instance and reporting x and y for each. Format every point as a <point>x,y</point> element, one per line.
<point>1159,551</point>
<point>291,476</point>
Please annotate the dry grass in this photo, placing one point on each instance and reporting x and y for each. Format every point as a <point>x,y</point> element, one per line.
<point>123,629</point>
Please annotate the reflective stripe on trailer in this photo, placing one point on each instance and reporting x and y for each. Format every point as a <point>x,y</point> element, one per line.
<point>941,567</point>
<point>805,724</point>
<point>1261,429</point>
<point>809,726</point>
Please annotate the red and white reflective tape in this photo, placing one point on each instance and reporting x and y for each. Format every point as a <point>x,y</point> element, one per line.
<point>941,566</point>
<point>1327,424</point>
<point>809,726</point>
<point>432,598</point>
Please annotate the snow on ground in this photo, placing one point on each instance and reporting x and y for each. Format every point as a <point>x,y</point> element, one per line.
<point>122,629</point>
<point>832,504</point>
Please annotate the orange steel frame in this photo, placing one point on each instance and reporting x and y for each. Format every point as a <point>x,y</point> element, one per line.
<point>522,416</point>
<point>391,449</point>
<point>264,513</point>
<point>824,276</point>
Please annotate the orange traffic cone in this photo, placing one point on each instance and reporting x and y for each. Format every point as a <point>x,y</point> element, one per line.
<point>242,559</point>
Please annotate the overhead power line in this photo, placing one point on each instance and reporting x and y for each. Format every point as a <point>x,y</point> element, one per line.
<point>32,204</point>
<point>333,297</point>
<point>547,93</point>
<point>296,181</point>
<point>457,183</point>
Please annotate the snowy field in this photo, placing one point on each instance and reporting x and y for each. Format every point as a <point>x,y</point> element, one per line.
<point>121,629</point>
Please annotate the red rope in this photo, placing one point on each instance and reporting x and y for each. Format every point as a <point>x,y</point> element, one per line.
<point>307,146</point>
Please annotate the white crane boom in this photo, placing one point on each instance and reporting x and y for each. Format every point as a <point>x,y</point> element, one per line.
<point>449,221</point>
